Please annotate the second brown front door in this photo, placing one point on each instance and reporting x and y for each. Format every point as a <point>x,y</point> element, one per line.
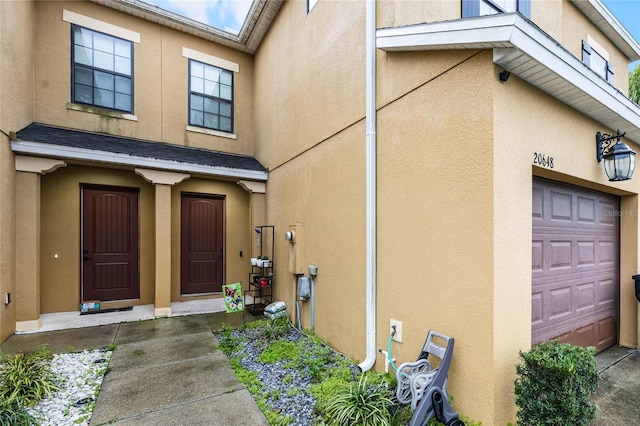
<point>202,239</point>
<point>109,243</point>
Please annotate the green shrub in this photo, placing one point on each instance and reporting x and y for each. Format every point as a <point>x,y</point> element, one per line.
<point>12,413</point>
<point>27,378</point>
<point>555,381</point>
<point>360,404</point>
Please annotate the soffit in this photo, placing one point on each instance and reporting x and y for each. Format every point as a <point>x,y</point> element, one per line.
<point>68,144</point>
<point>526,51</point>
<point>602,18</point>
<point>258,20</point>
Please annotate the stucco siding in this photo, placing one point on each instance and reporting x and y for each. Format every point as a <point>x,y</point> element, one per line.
<point>16,110</point>
<point>161,76</point>
<point>435,223</point>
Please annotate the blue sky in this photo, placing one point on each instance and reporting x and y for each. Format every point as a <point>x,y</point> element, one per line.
<point>229,15</point>
<point>628,13</point>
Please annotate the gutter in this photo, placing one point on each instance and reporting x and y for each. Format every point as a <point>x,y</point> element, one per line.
<point>371,273</point>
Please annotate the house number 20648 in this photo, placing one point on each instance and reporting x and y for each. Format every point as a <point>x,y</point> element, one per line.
<point>543,160</point>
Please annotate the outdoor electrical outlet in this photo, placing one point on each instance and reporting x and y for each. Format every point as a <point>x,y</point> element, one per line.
<point>398,324</point>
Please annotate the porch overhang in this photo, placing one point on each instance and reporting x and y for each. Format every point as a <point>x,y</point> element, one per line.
<point>526,51</point>
<point>72,145</point>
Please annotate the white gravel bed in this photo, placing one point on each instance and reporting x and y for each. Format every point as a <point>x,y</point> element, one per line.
<point>81,375</point>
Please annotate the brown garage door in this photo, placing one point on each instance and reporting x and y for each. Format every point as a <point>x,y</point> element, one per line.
<point>574,265</point>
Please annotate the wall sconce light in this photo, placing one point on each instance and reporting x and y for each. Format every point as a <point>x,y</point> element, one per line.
<point>258,230</point>
<point>504,76</point>
<point>619,159</point>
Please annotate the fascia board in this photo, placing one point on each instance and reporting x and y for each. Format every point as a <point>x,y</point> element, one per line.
<point>506,32</point>
<point>493,29</point>
<point>65,152</point>
<point>552,56</point>
<point>613,29</point>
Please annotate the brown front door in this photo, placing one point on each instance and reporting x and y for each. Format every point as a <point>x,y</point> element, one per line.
<point>202,230</point>
<point>109,243</point>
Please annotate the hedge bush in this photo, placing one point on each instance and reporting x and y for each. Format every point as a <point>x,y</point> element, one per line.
<point>554,385</point>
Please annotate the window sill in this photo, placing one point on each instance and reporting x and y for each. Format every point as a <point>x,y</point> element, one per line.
<point>211,132</point>
<point>101,111</point>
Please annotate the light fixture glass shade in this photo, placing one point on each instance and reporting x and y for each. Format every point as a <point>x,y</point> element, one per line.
<point>619,162</point>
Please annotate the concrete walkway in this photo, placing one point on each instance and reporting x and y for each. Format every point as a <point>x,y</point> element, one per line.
<point>166,371</point>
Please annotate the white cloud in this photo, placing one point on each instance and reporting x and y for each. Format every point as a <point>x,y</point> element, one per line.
<point>227,15</point>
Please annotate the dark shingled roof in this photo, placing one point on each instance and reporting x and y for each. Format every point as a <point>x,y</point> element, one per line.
<point>41,133</point>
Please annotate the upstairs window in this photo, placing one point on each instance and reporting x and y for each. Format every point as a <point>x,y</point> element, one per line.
<point>102,70</point>
<point>210,97</point>
<point>473,8</point>
<point>596,58</point>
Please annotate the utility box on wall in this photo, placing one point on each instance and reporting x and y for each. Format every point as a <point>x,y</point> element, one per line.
<point>296,249</point>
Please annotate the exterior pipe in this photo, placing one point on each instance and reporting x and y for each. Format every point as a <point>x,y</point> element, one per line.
<point>370,165</point>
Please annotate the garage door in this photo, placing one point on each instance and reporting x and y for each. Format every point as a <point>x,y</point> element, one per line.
<point>574,265</point>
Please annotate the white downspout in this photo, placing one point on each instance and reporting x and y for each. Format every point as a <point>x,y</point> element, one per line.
<point>370,186</point>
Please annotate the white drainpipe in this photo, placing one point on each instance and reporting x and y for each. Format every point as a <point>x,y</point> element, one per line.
<point>370,186</point>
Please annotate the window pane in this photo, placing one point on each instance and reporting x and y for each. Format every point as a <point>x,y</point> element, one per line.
<point>225,78</point>
<point>83,94</point>
<point>83,76</point>
<point>103,81</point>
<point>197,102</point>
<point>103,60</point>
<point>123,85</point>
<point>122,65</point>
<point>486,9</point>
<point>211,105</point>
<point>507,5</point>
<point>196,118</point>
<point>211,121</point>
<point>103,43</point>
<point>225,124</point>
<point>211,73</point>
<point>225,109</point>
<point>197,85</point>
<point>82,37</point>
<point>122,48</point>
<point>82,55</point>
<point>598,64</point>
<point>197,69</point>
<point>225,92</point>
<point>123,102</point>
<point>211,88</point>
<point>103,98</point>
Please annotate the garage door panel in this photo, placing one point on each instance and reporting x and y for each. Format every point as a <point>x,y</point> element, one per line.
<point>574,265</point>
<point>561,207</point>
<point>586,297</point>
<point>587,208</point>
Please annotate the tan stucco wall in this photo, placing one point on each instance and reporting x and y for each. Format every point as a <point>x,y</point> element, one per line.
<point>527,121</point>
<point>160,80</point>
<point>455,149</point>
<point>16,111</point>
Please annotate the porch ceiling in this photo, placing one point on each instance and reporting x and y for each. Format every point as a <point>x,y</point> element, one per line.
<point>527,52</point>
<point>55,142</point>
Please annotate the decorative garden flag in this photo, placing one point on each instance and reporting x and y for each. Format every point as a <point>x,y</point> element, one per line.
<point>233,297</point>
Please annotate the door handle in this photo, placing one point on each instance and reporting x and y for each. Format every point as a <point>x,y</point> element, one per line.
<point>87,258</point>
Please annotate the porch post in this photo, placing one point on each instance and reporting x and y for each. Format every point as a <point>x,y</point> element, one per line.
<point>163,182</point>
<point>27,297</point>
